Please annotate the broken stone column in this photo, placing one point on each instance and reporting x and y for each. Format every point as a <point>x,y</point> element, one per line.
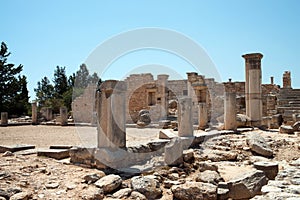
<point>34,113</point>
<point>230,106</point>
<point>4,118</point>
<point>185,126</point>
<point>202,111</point>
<point>48,113</point>
<point>286,79</point>
<point>112,114</point>
<point>174,152</point>
<point>63,116</point>
<point>162,90</point>
<point>253,94</point>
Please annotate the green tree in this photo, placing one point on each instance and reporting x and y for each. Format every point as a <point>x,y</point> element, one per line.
<point>82,77</point>
<point>13,87</point>
<point>60,82</point>
<point>44,92</point>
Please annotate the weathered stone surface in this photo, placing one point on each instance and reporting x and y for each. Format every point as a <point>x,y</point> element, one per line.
<point>146,185</point>
<point>21,196</point>
<point>258,145</point>
<point>54,153</point>
<point>242,120</point>
<point>92,178</point>
<point>92,193</point>
<point>136,195</point>
<point>174,152</point>
<point>144,118</point>
<point>52,185</point>
<point>123,193</point>
<point>269,168</point>
<point>208,176</point>
<point>207,166</point>
<point>166,134</point>
<point>188,155</point>
<point>286,129</point>
<point>15,148</point>
<point>195,191</point>
<point>109,183</point>
<point>164,123</point>
<point>4,194</point>
<point>247,186</point>
<point>7,153</point>
<point>296,126</point>
<point>296,162</point>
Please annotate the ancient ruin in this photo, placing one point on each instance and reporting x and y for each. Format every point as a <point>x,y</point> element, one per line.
<point>207,140</point>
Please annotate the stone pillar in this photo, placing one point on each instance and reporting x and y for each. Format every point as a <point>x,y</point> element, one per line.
<point>202,118</point>
<point>185,126</point>
<point>192,77</point>
<point>230,106</point>
<point>253,93</point>
<point>48,113</point>
<point>162,81</point>
<point>63,116</point>
<point>286,79</point>
<point>4,118</point>
<point>112,114</point>
<point>272,80</point>
<point>34,115</point>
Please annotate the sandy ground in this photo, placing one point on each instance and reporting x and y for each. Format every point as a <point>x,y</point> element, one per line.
<point>44,136</point>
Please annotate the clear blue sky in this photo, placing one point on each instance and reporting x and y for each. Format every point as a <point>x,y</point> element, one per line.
<point>44,34</point>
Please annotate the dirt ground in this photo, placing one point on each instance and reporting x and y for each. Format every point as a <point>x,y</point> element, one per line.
<point>45,136</point>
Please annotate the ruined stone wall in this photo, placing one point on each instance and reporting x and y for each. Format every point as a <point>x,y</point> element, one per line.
<point>138,86</point>
<point>83,107</point>
<point>177,88</point>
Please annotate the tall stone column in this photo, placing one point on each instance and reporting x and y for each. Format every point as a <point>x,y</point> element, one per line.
<point>185,120</point>
<point>253,93</point>
<point>4,118</point>
<point>202,118</point>
<point>286,80</point>
<point>112,114</point>
<point>163,93</point>
<point>34,116</point>
<point>230,106</point>
<point>63,116</point>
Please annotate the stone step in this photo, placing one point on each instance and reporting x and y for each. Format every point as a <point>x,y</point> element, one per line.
<point>15,148</point>
<point>54,153</point>
<point>289,108</point>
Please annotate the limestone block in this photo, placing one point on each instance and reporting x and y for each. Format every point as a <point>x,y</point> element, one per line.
<point>270,168</point>
<point>174,152</point>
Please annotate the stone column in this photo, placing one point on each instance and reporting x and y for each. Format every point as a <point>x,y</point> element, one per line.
<point>286,79</point>
<point>253,93</point>
<point>34,116</point>
<point>230,106</point>
<point>185,126</point>
<point>112,114</point>
<point>4,118</point>
<point>202,118</point>
<point>63,116</point>
<point>272,80</point>
<point>162,81</point>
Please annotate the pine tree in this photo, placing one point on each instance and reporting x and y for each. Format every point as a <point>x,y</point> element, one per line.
<point>13,87</point>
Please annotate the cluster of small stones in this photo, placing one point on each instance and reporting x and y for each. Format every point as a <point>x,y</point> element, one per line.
<point>200,174</point>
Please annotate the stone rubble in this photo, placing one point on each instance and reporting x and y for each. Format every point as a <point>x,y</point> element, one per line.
<point>222,167</point>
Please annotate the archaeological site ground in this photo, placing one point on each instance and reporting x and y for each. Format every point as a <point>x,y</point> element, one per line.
<point>149,137</point>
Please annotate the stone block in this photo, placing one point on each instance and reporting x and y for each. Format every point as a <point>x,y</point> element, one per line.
<point>269,168</point>
<point>15,148</point>
<point>54,153</point>
<point>174,152</point>
<point>286,129</point>
<point>166,134</point>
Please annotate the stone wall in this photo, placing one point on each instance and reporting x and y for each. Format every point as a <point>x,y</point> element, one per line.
<point>83,107</point>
